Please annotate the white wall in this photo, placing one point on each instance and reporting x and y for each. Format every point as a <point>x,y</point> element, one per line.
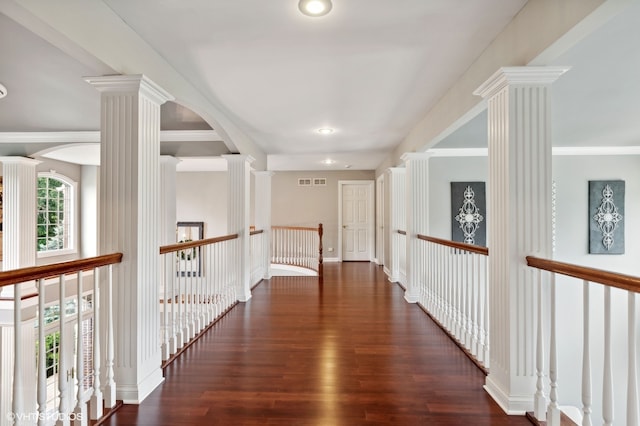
<point>443,171</point>
<point>202,197</point>
<point>572,175</point>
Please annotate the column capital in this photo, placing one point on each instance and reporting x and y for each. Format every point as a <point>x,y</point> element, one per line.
<point>138,83</point>
<point>236,158</point>
<point>521,76</point>
<point>413,156</point>
<point>19,160</point>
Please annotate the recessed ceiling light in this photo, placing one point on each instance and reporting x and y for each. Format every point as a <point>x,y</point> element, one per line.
<point>329,161</point>
<point>325,131</point>
<point>3,91</point>
<point>315,8</point>
<point>347,166</point>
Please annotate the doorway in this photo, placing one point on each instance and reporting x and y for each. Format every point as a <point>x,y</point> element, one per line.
<point>356,220</point>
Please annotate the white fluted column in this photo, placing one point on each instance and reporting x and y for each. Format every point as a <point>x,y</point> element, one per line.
<point>168,199</point>
<point>397,217</point>
<point>417,222</point>
<point>263,216</point>
<point>238,217</point>
<point>520,193</point>
<point>19,251</point>
<point>129,202</point>
<point>19,180</point>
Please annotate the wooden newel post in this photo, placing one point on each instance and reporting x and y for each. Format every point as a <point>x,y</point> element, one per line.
<point>320,250</point>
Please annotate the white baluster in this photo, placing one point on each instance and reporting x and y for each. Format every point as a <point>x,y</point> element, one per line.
<point>63,373</point>
<point>95,406</point>
<point>165,307</point>
<point>586,357</point>
<point>485,312</point>
<point>475,304</point>
<point>539,399</point>
<point>42,356</point>
<point>110,384</point>
<point>607,382</point>
<point>80,411</point>
<point>632,383</point>
<point>553,413</point>
<point>180,296</point>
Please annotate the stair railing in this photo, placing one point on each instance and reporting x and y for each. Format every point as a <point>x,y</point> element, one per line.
<point>199,284</point>
<point>602,305</point>
<point>63,355</point>
<point>453,290</point>
<point>297,246</point>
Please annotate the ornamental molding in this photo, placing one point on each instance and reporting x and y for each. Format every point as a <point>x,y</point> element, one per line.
<point>119,84</point>
<point>519,76</point>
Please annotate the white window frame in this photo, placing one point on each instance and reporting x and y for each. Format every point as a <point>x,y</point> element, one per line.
<point>71,214</point>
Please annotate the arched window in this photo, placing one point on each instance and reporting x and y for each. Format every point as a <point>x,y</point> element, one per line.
<point>56,199</point>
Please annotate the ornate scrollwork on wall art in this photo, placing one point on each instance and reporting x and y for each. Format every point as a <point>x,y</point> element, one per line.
<point>607,217</point>
<point>606,213</point>
<point>469,216</point>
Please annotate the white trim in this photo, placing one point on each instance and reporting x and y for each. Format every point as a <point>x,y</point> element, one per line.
<point>94,136</point>
<point>459,152</point>
<point>556,150</point>
<point>596,150</point>
<point>371,217</point>
<point>330,260</point>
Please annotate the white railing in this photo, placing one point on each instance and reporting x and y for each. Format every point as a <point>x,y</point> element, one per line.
<point>454,291</point>
<point>297,246</point>
<point>401,244</point>
<point>257,256</point>
<point>199,284</point>
<point>594,372</point>
<point>63,351</point>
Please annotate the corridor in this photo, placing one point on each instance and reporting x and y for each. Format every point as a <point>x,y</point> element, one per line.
<point>349,351</point>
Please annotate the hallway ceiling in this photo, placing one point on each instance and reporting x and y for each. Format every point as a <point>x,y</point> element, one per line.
<point>370,69</point>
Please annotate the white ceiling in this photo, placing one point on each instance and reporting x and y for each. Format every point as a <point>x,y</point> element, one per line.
<point>597,102</point>
<point>371,69</point>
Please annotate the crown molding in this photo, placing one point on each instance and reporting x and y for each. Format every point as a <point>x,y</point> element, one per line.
<point>596,150</point>
<point>94,136</point>
<point>530,75</point>
<point>556,151</point>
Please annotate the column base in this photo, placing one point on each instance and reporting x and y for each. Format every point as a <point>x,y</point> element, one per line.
<point>511,404</point>
<point>135,394</point>
<point>410,297</point>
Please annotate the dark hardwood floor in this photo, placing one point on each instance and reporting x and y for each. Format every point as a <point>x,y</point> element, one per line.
<point>348,352</point>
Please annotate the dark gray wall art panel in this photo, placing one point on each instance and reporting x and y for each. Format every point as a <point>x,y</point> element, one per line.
<point>606,216</point>
<point>469,213</point>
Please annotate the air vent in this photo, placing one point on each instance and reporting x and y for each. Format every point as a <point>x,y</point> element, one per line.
<point>304,182</point>
<point>319,181</point>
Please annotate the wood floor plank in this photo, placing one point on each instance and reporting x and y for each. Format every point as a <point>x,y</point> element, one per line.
<point>350,351</point>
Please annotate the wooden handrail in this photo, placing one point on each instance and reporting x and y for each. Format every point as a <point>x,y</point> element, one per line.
<point>46,271</point>
<point>401,232</point>
<point>295,228</point>
<point>198,243</point>
<point>461,246</point>
<point>612,279</point>
<point>254,232</point>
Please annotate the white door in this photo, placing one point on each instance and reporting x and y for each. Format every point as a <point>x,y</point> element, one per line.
<point>357,220</point>
<point>380,220</point>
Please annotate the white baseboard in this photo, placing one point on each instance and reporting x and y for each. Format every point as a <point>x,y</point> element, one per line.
<point>330,260</point>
